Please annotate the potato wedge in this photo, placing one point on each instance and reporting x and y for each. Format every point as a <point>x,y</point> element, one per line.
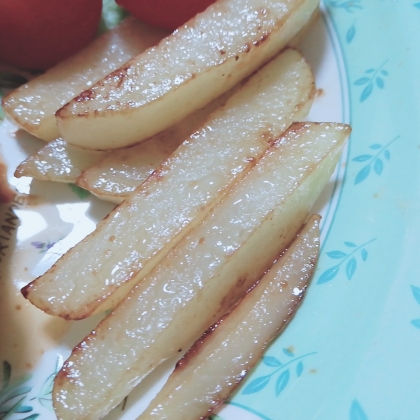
<point>204,275</point>
<point>118,174</point>
<point>58,161</point>
<point>195,64</point>
<point>177,196</point>
<point>112,175</point>
<point>33,105</point>
<point>221,358</point>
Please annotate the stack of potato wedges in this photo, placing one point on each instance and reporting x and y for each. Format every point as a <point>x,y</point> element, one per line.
<point>199,137</point>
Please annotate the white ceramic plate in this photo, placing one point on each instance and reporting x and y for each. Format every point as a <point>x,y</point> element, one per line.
<point>352,351</point>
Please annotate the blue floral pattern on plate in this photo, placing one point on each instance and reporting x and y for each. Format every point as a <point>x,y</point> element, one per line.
<point>357,412</point>
<point>372,77</point>
<point>375,161</point>
<point>17,396</point>
<point>349,256</point>
<point>282,369</point>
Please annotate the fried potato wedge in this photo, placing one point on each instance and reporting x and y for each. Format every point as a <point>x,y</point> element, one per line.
<point>178,195</point>
<point>204,275</point>
<point>118,174</point>
<point>221,358</point>
<point>195,64</point>
<point>58,161</point>
<point>33,105</point>
<point>112,175</point>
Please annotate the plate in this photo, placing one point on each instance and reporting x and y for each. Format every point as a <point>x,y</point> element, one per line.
<point>352,350</point>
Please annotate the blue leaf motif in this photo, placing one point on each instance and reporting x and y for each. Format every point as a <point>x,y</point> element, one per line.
<point>348,5</point>
<point>288,353</point>
<point>362,174</point>
<point>24,409</point>
<point>372,77</point>
<point>328,275</point>
<point>416,293</point>
<point>351,268</point>
<point>257,385</point>
<point>364,254</point>
<point>336,254</point>
<point>362,158</point>
<point>417,5</point>
<point>6,411</point>
<point>380,82</point>
<point>375,162</point>
<point>47,387</point>
<point>366,92</point>
<point>350,34</point>
<point>378,166</point>
<point>31,417</point>
<point>20,391</point>
<point>282,382</point>
<point>356,412</point>
<point>350,244</point>
<point>46,402</point>
<point>362,81</point>
<point>299,369</point>
<point>416,323</point>
<point>271,361</point>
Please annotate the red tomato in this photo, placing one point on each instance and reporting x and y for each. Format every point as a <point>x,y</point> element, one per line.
<point>36,34</point>
<point>169,14</point>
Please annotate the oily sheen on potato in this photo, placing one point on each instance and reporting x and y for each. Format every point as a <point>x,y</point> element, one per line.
<point>221,358</point>
<point>204,275</point>
<point>33,105</point>
<point>177,196</point>
<point>195,64</point>
<point>112,175</point>
<point>121,171</point>
<point>58,161</point>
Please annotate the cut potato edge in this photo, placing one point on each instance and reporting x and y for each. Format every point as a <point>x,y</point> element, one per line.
<point>58,161</point>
